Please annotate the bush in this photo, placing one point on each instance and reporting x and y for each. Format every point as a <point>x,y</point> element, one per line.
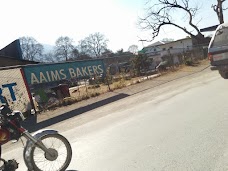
<point>84,97</point>
<point>94,86</point>
<point>119,84</point>
<point>69,101</point>
<point>189,62</point>
<point>95,94</point>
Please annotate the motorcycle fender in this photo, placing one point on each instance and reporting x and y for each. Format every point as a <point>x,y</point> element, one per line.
<point>41,133</point>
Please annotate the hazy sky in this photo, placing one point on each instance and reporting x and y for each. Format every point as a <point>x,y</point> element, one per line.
<point>46,20</point>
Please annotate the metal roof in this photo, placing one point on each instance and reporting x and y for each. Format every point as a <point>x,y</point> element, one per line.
<point>211,28</point>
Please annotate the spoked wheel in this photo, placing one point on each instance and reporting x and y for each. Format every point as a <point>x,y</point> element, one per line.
<point>58,156</point>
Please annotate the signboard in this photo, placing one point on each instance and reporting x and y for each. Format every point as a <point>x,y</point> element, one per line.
<point>12,87</point>
<point>37,74</point>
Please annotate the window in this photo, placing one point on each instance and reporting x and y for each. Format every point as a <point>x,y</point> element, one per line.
<point>221,37</point>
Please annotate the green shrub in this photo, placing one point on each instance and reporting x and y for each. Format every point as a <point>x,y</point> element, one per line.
<point>95,94</point>
<point>94,86</point>
<point>189,62</point>
<point>69,101</point>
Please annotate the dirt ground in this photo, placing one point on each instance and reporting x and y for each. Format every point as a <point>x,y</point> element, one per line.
<point>131,87</point>
<point>87,91</point>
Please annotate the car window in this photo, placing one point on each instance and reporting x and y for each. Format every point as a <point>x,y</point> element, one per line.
<point>221,37</point>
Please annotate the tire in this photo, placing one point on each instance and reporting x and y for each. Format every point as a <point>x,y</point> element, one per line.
<point>40,160</point>
<point>224,74</point>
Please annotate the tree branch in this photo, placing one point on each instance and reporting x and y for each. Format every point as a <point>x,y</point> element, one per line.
<point>159,15</point>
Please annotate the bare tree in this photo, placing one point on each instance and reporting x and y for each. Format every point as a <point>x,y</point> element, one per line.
<point>31,49</point>
<point>75,53</point>
<point>83,56</point>
<point>64,47</point>
<point>94,45</point>
<point>120,51</point>
<point>107,53</point>
<point>159,15</point>
<point>50,57</point>
<point>133,49</point>
<point>219,10</point>
<point>83,47</point>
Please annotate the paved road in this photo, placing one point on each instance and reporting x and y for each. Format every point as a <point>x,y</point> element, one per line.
<point>181,125</point>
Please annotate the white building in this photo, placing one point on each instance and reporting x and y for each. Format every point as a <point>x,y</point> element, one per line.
<point>155,48</point>
<point>161,48</point>
<point>176,47</point>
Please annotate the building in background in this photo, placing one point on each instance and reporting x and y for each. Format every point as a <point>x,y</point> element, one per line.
<point>11,55</point>
<point>154,49</point>
<point>161,48</point>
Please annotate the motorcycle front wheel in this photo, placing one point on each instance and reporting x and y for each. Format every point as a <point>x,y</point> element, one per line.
<point>60,158</point>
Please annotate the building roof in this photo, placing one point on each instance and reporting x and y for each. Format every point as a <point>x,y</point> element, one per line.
<point>158,43</point>
<point>211,28</point>
<point>13,58</point>
<point>6,61</point>
<point>187,38</point>
<point>13,50</point>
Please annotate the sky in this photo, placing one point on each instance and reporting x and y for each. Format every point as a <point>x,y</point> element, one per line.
<point>47,20</point>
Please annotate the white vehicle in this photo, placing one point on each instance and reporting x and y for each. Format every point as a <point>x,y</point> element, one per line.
<point>218,50</point>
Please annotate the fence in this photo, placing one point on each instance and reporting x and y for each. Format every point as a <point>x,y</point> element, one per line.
<point>188,57</point>
<point>46,86</point>
<point>177,56</point>
<point>53,85</point>
<point>143,65</point>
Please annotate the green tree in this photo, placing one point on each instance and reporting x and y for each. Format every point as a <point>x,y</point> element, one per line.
<point>141,62</point>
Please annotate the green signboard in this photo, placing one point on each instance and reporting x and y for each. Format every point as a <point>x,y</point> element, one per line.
<point>45,73</point>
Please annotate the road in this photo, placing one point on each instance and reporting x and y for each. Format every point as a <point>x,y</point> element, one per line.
<point>180,125</point>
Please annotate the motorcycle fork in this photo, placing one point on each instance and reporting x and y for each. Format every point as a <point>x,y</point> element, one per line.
<point>37,142</point>
<point>28,136</point>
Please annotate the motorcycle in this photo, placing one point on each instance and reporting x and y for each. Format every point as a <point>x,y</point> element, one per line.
<point>44,150</point>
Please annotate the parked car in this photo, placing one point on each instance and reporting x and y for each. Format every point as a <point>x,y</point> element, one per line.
<point>218,50</point>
